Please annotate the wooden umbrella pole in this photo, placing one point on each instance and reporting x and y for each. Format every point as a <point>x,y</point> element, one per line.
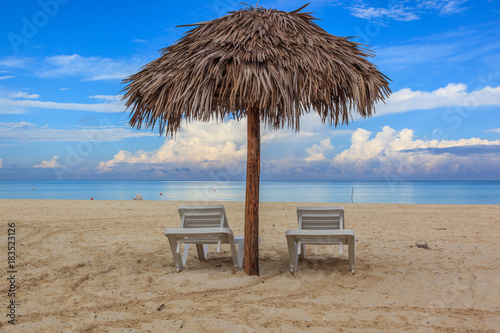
<point>251,258</point>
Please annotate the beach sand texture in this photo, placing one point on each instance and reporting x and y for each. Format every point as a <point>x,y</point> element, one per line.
<point>105,266</point>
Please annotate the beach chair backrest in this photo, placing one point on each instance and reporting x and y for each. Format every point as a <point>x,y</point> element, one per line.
<point>320,218</point>
<point>203,216</point>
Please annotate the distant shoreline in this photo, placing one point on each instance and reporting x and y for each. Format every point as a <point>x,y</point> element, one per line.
<point>218,202</point>
<point>262,180</point>
<point>402,192</point>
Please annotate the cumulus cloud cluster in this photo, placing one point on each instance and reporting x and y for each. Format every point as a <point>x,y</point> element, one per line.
<point>207,147</point>
<point>453,95</point>
<point>221,146</point>
<point>198,146</point>
<point>317,151</point>
<point>48,164</point>
<point>398,152</point>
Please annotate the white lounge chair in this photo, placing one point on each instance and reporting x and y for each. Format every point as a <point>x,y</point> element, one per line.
<point>202,225</point>
<point>138,197</point>
<point>319,225</point>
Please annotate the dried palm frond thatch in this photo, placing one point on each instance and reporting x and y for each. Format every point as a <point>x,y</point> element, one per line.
<point>279,62</point>
<point>260,63</point>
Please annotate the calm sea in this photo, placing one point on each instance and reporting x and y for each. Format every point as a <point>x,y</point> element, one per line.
<point>409,192</point>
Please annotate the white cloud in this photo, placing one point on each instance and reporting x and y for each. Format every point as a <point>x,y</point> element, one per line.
<point>98,107</point>
<point>270,136</point>
<point>28,132</point>
<point>397,13</point>
<point>317,151</point>
<point>6,77</point>
<point>14,62</point>
<point>11,110</point>
<point>108,98</point>
<point>452,95</point>
<point>88,68</point>
<point>494,130</point>
<point>445,7</point>
<point>1,163</point>
<point>198,146</point>
<point>275,136</point>
<point>21,94</point>
<point>48,164</point>
<point>398,153</point>
<point>337,132</point>
<point>63,89</point>
<point>410,11</point>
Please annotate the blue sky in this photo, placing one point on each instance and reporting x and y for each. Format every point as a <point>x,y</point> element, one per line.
<point>62,62</point>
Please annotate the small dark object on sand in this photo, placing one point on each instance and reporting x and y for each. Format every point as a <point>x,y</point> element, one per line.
<point>161,307</point>
<point>423,246</point>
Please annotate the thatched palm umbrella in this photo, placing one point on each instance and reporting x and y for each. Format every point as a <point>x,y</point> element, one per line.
<point>265,64</point>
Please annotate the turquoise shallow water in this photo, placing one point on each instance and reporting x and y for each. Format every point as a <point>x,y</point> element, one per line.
<point>408,192</point>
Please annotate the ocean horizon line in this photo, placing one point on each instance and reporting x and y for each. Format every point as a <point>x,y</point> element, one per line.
<point>268,202</point>
<point>403,192</point>
<point>262,180</point>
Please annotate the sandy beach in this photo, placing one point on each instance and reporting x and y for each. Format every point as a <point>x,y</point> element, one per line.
<point>105,266</point>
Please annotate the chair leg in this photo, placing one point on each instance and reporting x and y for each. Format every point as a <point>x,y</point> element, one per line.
<point>201,252</point>
<point>172,240</point>
<point>341,249</point>
<point>241,251</point>
<point>185,253</point>
<point>292,254</point>
<point>234,254</point>
<point>351,243</point>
